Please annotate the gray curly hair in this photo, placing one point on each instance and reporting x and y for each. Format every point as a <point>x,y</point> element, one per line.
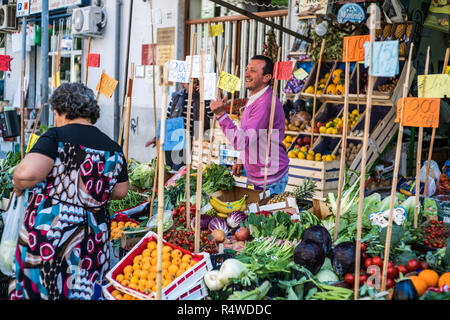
<point>75,100</point>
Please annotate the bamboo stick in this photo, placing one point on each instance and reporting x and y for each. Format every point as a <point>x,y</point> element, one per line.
<point>419,150</point>
<point>127,130</point>
<point>315,91</point>
<point>87,60</point>
<point>155,178</point>
<point>188,136</point>
<point>211,137</point>
<point>200,156</point>
<point>161,187</point>
<point>343,146</point>
<point>364,156</point>
<point>22,110</point>
<point>433,132</point>
<point>272,115</point>
<point>395,174</point>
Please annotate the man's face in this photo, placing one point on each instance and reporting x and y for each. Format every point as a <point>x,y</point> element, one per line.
<point>195,86</point>
<point>253,77</point>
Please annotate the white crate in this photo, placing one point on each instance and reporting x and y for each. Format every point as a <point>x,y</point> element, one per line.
<point>180,285</point>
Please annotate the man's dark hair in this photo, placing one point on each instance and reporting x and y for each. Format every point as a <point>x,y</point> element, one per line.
<point>75,100</point>
<point>268,68</point>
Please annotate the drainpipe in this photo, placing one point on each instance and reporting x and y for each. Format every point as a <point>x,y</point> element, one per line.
<point>117,71</point>
<point>44,63</point>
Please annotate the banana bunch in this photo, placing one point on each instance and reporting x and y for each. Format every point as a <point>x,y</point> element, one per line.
<point>224,208</point>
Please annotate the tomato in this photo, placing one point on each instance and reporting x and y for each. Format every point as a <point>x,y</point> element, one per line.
<point>413,265</point>
<point>377,261</point>
<point>362,279</point>
<point>392,272</point>
<point>365,256</point>
<point>363,247</point>
<point>349,278</point>
<point>390,283</point>
<point>368,262</point>
<point>423,265</point>
<point>390,264</point>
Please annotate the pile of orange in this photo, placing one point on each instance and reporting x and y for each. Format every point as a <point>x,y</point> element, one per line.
<point>428,278</point>
<point>116,228</point>
<point>119,295</point>
<point>141,275</point>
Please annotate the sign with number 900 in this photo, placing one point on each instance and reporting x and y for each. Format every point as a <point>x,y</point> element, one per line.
<point>419,112</point>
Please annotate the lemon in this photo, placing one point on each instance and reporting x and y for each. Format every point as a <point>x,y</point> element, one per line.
<point>329,131</point>
<point>311,152</point>
<point>335,131</point>
<point>329,158</point>
<point>301,155</point>
<point>355,112</point>
<point>322,129</point>
<point>309,157</point>
<point>318,155</point>
<point>291,154</point>
<point>304,149</point>
<point>333,157</point>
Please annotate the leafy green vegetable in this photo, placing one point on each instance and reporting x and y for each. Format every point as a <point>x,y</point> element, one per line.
<point>132,199</point>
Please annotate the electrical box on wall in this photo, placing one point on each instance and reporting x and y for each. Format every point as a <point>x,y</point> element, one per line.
<point>8,20</point>
<point>88,21</point>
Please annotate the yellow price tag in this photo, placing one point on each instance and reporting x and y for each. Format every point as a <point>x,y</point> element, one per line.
<point>106,85</point>
<point>216,30</point>
<point>300,74</point>
<point>228,82</point>
<point>436,86</point>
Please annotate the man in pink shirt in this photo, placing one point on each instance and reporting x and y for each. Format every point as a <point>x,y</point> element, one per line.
<point>251,138</point>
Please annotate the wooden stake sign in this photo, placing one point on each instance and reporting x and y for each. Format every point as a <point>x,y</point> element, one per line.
<point>419,156</point>
<point>343,148</point>
<point>87,61</point>
<point>433,132</point>
<point>364,154</point>
<point>161,187</point>
<point>272,115</point>
<point>188,137</point>
<point>395,176</point>
<point>198,202</point>
<point>211,137</point>
<point>130,92</point>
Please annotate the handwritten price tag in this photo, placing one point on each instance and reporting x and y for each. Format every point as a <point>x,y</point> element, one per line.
<point>284,70</point>
<point>228,82</point>
<point>107,85</point>
<point>436,86</point>
<point>384,58</point>
<point>178,71</point>
<point>5,63</point>
<point>355,48</point>
<point>210,86</point>
<point>147,56</point>
<point>94,60</point>
<point>419,112</point>
<point>208,65</point>
<point>216,30</point>
<point>300,74</point>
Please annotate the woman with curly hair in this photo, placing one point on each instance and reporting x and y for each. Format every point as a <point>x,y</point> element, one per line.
<point>72,171</point>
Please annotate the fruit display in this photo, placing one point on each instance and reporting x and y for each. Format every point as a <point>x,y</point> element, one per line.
<point>140,274</point>
<point>389,86</point>
<point>298,122</point>
<point>336,125</point>
<point>120,295</point>
<point>320,86</point>
<point>288,140</point>
<point>351,152</point>
<point>435,234</point>
<point>224,208</point>
<point>304,153</point>
<point>117,228</point>
<point>281,197</point>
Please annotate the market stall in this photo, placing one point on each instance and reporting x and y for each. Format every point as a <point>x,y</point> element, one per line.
<point>350,224</point>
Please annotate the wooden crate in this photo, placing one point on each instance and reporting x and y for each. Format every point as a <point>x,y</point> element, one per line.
<point>325,174</point>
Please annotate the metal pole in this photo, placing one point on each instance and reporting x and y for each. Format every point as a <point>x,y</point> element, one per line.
<point>117,72</point>
<point>44,63</point>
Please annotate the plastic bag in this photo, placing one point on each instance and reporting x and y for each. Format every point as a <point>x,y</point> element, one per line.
<point>13,219</point>
<point>152,223</point>
<point>433,176</point>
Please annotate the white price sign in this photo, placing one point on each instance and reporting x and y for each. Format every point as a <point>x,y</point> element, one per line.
<point>178,71</point>
<point>208,65</point>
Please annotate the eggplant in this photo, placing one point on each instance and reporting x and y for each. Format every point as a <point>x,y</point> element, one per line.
<point>405,290</point>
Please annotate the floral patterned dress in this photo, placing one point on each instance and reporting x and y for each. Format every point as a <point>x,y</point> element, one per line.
<point>64,244</point>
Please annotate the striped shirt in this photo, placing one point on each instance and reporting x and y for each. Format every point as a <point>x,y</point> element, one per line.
<point>208,113</point>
